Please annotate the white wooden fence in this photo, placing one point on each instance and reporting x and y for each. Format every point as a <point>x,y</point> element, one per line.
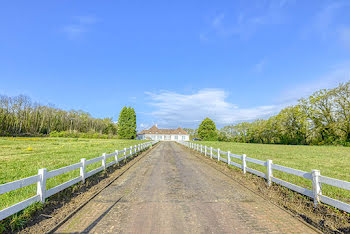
<point>43,175</point>
<point>315,175</point>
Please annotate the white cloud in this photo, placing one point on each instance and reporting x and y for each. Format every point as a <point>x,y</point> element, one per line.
<point>174,109</point>
<point>188,110</point>
<point>81,25</point>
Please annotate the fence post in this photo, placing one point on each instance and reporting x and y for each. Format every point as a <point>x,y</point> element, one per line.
<point>82,169</point>
<point>116,157</point>
<point>41,185</point>
<point>124,153</point>
<point>211,152</point>
<point>244,163</point>
<point>205,150</point>
<point>201,148</point>
<point>316,188</point>
<point>130,151</point>
<point>228,157</point>
<point>269,173</point>
<point>218,154</point>
<point>104,161</point>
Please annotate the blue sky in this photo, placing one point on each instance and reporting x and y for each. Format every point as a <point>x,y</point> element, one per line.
<point>175,62</point>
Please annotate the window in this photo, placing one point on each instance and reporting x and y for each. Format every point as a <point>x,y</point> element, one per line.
<point>176,137</point>
<point>183,138</point>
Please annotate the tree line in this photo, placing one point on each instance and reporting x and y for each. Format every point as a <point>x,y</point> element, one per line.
<point>322,118</point>
<point>19,116</point>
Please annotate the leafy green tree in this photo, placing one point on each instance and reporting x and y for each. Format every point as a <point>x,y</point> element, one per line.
<point>341,96</point>
<point>207,130</point>
<point>19,116</point>
<point>222,136</point>
<point>193,132</point>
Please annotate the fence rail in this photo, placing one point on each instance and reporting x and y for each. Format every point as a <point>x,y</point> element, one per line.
<point>43,175</point>
<point>315,176</point>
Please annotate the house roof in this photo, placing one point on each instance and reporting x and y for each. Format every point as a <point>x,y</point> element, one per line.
<point>155,130</point>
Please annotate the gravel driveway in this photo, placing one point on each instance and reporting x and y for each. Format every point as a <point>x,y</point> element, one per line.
<point>171,190</point>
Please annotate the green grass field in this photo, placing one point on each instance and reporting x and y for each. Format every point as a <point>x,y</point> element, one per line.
<point>22,157</point>
<point>332,161</point>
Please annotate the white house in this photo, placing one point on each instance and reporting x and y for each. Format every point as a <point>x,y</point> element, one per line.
<point>155,133</point>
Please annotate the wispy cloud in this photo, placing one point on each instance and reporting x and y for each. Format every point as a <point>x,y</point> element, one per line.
<point>203,37</point>
<point>81,25</point>
<point>259,67</point>
<point>246,23</point>
<point>174,108</point>
<point>144,126</point>
<point>217,21</point>
<point>344,36</point>
<point>337,74</point>
<point>325,24</point>
<point>325,18</point>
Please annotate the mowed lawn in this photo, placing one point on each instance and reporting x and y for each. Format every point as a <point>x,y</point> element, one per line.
<point>332,161</point>
<point>22,157</point>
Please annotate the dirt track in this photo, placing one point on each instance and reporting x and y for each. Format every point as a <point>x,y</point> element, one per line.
<point>172,191</point>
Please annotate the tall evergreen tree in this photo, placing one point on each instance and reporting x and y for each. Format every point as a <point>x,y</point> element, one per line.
<point>127,123</point>
<point>132,123</point>
<point>207,130</point>
<point>122,123</point>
